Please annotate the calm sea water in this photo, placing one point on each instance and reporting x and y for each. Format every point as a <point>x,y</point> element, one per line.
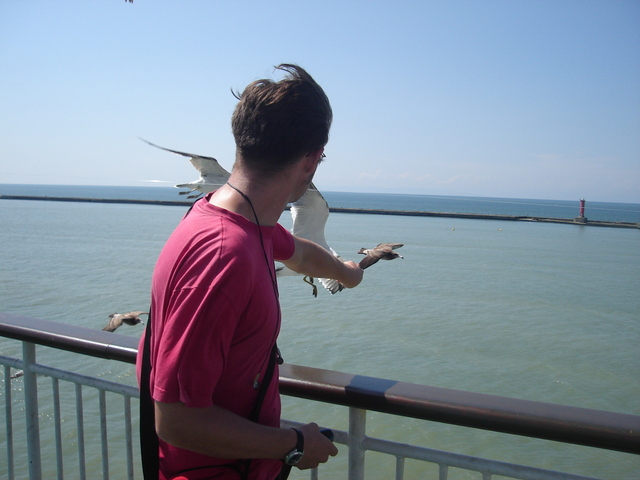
<point>536,311</point>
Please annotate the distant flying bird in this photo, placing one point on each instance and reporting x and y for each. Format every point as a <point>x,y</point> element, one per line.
<point>117,319</point>
<point>212,175</point>
<point>309,213</point>
<point>383,251</point>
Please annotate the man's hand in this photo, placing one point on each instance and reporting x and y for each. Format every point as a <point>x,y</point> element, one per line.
<point>353,274</point>
<point>317,447</point>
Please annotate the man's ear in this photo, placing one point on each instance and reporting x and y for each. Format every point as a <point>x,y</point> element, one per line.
<point>313,159</point>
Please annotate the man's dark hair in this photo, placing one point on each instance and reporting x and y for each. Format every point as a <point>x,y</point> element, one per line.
<point>275,123</point>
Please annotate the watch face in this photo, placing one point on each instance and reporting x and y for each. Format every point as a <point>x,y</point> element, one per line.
<point>293,457</point>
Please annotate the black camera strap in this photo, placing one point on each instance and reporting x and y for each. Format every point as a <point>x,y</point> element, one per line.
<point>149,444</point>
<point>274,357</point>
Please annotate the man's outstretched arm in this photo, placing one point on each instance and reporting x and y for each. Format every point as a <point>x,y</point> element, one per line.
<point>311,259</point>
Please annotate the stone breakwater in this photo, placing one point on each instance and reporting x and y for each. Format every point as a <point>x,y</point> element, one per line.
<point>473,216</point>
<point>482,216</point>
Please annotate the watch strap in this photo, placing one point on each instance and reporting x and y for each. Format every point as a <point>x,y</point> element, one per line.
<point>300,442</point>
<point>294,456</point>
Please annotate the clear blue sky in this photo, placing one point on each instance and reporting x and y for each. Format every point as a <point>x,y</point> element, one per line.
<point>525,99</point>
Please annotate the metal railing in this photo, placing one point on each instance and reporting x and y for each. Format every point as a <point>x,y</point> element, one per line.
<point>605,430</point>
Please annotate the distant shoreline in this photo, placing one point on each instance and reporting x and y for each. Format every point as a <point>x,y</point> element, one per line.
<point>473,216</point>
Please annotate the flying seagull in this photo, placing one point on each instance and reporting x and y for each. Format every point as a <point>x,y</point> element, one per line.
<point>383,251</point>
<point>309,213</point>
<point>117,319</point>
<point>212,175</point>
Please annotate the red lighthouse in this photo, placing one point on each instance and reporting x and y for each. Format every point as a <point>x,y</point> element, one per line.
<point>581,218</point>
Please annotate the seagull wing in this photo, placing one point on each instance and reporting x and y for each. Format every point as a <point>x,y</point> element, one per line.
<point>135,313</point>
<point>392,246</point>
<point>210,170</point>
<point>332,285</point>
<point>115,321</point>
<point>310,214</point>
<point>372,256</point>
<point>212,174</point>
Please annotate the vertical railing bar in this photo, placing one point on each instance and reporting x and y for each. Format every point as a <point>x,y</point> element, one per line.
<point>103,434</point>
<point>314,474</point>
<point>357,430</point>
<point>80,427</point>
<point>31,410</point>
<point>129,436</point>
<point>399,468</point>
<point>443,472</point>
<point>9,421</point>
<point>57,419</point>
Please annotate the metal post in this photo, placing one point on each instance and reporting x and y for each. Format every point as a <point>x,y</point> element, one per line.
<point>103,434</point>
<point>357,430</point>
<point>129,437</point>
<point>55,386</point>
<point>9,421</point>
<point>443,472</point>
<point>80,427</point>
<point>31,410</point>
<point>399,468</point>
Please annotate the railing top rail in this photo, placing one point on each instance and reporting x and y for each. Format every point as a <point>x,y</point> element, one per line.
<point>69,337</point>
<point>582,426</point>
<point>595,428</point>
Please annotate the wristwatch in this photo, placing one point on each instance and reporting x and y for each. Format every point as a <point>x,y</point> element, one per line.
<point>295,455</point>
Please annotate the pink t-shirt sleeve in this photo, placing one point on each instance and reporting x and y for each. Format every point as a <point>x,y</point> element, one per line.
<point>283,243</point>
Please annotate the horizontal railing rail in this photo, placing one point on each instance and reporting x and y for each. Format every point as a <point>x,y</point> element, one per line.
<point>581,426</point>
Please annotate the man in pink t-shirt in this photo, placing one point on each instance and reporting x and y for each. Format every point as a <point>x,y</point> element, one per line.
<point>215,310</point>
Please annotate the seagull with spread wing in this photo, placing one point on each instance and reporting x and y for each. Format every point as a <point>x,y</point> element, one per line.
<point>309,213</point>
<point>117,319</point>
<point>212,175</point>
<point>383,251</point>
